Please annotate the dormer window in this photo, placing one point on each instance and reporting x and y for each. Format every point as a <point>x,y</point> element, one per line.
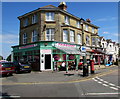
<point>50,16</point>
<point>67,20</point>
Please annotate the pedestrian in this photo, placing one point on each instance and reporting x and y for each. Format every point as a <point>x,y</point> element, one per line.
<point>63,65</point>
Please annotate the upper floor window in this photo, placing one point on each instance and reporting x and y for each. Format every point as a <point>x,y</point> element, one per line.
<point>78,24</point>
<point>67,20</point>
<point>50,16</point>
<point>25,22</point>
<point>87,40</point>
<point>24,38</point>
<point>86,27</point>
<point>65,35</point>
<point>34,18</point>
<point>93,41</point>
<point>72,34</point>
<point>34,36</point>
<point>79,39</point>
<point>93,30</point>
<point>50,34</point>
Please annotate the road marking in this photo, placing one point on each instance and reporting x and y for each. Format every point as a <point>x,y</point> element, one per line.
<point>112,84</point>
<point>61,82</point>
<point>101,94</point>
<point>104,85</point>
<point>114,88</point>
<point>9,96</point>
<point>99,82</point>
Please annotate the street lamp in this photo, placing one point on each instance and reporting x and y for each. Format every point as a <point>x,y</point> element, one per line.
<point>85,68</point>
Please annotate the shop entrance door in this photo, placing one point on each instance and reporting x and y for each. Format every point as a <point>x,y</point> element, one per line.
<point>48,61</point>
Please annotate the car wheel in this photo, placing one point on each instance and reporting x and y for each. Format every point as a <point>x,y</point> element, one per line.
<point>29,71</point>
<point>17,71</point>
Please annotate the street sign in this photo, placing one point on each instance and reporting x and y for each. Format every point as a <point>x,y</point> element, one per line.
<point>83,49</point>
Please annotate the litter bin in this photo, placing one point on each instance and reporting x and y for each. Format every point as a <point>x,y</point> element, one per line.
<point>85,70</point>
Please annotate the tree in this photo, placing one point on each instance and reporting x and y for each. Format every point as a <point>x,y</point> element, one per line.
<point>9,58</point>
<point>1,58</point>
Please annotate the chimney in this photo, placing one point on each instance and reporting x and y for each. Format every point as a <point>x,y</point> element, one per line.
<point>88,20</point>
<point>62,6</point>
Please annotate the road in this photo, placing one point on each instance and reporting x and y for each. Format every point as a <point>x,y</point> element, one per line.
<point>105,85</point>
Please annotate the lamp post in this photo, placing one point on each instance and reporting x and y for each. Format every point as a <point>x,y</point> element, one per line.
<point>85,67</point>
<point>83,43</point>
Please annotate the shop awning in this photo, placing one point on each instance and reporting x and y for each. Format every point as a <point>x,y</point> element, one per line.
<point>69,50</point>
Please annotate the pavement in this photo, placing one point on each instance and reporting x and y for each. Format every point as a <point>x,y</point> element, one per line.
<point>50,77</point>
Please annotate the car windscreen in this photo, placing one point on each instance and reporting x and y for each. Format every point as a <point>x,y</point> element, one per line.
<point>7,65</point>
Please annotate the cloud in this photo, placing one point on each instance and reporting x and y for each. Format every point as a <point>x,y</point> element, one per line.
<point>116,34</point>
<point>106,19</point>
<point>105,33</point>
<point>9,38</point>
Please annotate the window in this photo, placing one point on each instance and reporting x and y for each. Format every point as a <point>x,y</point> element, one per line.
<point>34,36</point>
<point>72,36</point>
<point>93,30</point>
<point>34,18</point>
<point>87,40</point>
<point>67,20</point>
<point>93,41</point>
<point>50,34</point>
<point>50,16</point>
<point>65,35</point>
<point>79,38</point>
<point>25,22</point>
<point>86,27</point>
<point>78,24</point>
<point>24,38</point>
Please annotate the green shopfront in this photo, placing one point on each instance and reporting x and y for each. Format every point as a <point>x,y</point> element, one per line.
<point>46,55</point>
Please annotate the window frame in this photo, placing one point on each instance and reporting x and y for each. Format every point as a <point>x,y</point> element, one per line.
<point>34,19</point>
<point>25,22</point>
<point>78,24</point>
<point>50,34</point>
<point>67,20</point>
<point>34,36</point>
<point>24,38</point>
<point>65,35</point>
<point>86,27</point>
<point>79,39</point>
<point>87,40</point>
<point>50,16</point>
<point>72,36</point>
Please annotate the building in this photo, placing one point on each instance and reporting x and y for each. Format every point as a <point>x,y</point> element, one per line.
<point>50,28</point>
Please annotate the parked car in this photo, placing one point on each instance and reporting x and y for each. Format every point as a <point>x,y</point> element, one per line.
<point>80,65</point>
<point>6,68</point>
<point>22,67</point>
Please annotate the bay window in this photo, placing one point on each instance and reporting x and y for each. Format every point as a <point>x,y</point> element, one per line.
<point>65,35</point>
<point>72,34</point>
<point>50,34</point>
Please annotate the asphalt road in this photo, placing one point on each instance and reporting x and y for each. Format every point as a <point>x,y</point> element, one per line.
<point>97,86</point>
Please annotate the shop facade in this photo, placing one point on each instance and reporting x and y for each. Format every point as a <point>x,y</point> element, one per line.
<point>46,55</point>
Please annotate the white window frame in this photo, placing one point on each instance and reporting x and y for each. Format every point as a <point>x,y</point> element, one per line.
<point>50,34</point>
<point>25,22</point>
<point>50,16</point>
<point>86,27</point>
<point>67,20</point>
<point>65,35</point>
<point>79,39</point>
<point>34,35</point>
<point>72,36</point>
<point>34,18</point>
<point>24,38</point>
<point>78,24</point>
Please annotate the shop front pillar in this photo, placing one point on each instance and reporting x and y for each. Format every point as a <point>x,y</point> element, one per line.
<point>66,63</point>
<point>77,61</point>
<point>98,60</point>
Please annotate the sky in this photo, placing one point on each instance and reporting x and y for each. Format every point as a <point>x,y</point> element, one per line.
<point>101,14</point>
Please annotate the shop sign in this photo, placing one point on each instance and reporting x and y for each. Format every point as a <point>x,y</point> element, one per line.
<point>64,45</point>
<point>28,46</point>
<point>46,51</point>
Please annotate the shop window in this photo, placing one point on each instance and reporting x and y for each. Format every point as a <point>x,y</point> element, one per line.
<point>72,34</point>
<point>50,34</point>
<point>65,35</point>
<point>79,38</point>
<point>67,20</point>
<point>34,36</point>
<point>34,18</point>
<point>24,38</point>
<point>50,16</point>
